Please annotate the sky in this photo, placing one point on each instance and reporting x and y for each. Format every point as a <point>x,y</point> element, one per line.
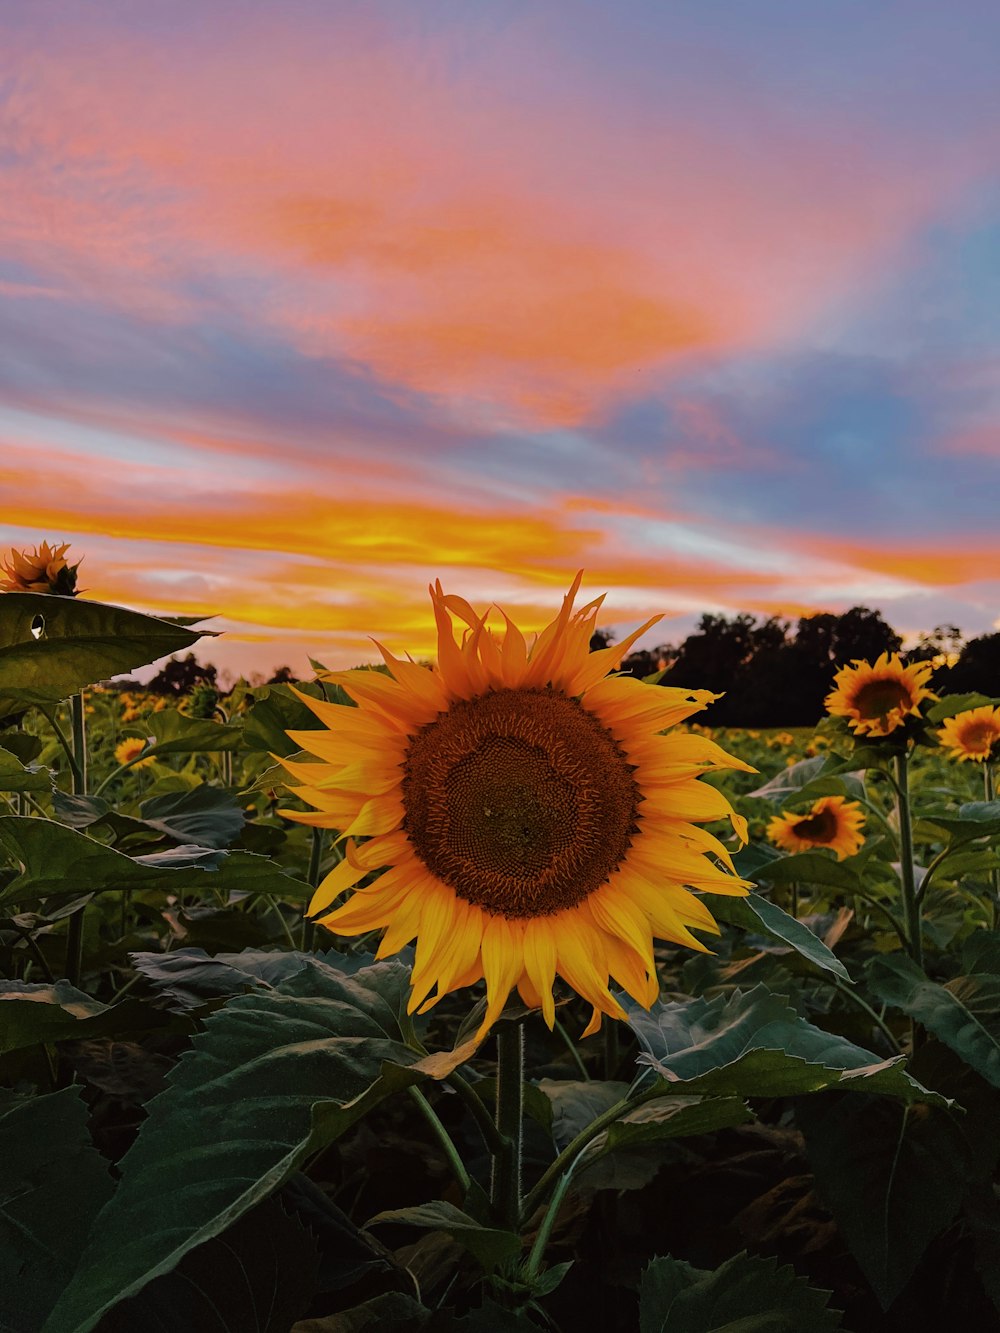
<point>303,305</point>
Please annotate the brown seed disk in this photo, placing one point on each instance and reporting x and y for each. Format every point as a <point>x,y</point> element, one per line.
<point>521,800</point>
<point>880,697</point>
<point>821,827</point>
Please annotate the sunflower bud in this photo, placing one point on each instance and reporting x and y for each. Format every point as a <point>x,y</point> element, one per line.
<point>45,569</point>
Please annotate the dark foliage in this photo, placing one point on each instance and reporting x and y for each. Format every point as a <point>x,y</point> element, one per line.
<point>181,675</point>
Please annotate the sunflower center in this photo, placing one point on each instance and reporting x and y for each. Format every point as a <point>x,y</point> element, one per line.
<point>979,735</point>
<point>879,697</point>
<point>521,800</point>
<point>820,827</point>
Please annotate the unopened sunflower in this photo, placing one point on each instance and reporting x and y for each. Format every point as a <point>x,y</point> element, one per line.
<point>531,819</point>
<point>44,569</point>
<point>833,822</point>
<point>876,698</point>
<point>973,735</point>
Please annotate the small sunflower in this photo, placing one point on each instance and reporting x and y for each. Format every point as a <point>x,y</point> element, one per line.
<point>45,569</point>
<point>128,749</point>
<point>833,822</point>
<point>972,735</point>
<point>877,698</point>
<point>531,818</point>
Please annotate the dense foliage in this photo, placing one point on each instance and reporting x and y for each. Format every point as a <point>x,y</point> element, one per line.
<point>211,1118</point>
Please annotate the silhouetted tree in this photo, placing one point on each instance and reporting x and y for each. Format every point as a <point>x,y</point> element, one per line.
<point>978,667</point>
<point>181,675</point>
<point>284,675</point>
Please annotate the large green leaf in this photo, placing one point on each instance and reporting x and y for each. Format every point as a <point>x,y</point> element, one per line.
<point>259,1274</point>
<point>953,704</point>
<point>53,1182</point>
<point>754,1044</point>
<point>273,1078</point>
<point>176,733</point>
<point>811,868</point>
<point>892,1175</point>
<point>35,1013</point>
<point>191,977</point>
<point>14,776</point>
<point>822,775</point>
<point>275,712</point>
<point>489,1245</point>
<point>964,1014</point>
<point>975,819</point>
<point>747,1294</point>
<point>59,861</point>
<point>759,914</point>
<point>80,642</point>
<point>205,816</point>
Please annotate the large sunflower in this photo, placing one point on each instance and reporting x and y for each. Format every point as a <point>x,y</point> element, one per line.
<point>832,822</point>
<point>877,698</point>
<point>974,734</point>
<point>531,818</point>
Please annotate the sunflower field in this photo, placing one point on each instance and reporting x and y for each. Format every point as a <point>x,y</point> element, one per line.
<point>493,993</point>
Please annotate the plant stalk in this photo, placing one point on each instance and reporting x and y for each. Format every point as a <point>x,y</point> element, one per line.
<point>313,875</point>
<point>74,927</point>
<point>505,1189</point>
<point>444,1139</point>
<point>990,794</point>
<point>911,900</point>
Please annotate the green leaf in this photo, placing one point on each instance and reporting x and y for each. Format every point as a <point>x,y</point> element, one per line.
<point>755,913</point>
<point>391,1312</point>
<point>14,776</point>
<point>206,816</point>
<point>22,744</point>
<point>273,1078</point>
<point>490,1246</point>
<point>176,733</point>
<point>35,1013</point>
<point>811,868</point>
<point>964,1014</point>
<point>981,952</point>
<point>754,1044</point>
<point>953,704</point>
<point>260,1274</point>
<point>822,775</point>
<point>61,862</point>
<point>577,1103</point>
<point>892,1175</point>
<point>275,712</point>
<point>976,819</point>
<point>790,781</point>
<point>81,642</point>
<point>191,977</point>
<point>747,1294</point>
<point>53,1182</point>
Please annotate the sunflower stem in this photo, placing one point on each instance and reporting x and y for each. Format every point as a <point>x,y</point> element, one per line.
<point>74,928</point>
<point>315,858</point>
<point>505,1190</point>
<point>911,900</point>
<point>574,1054</point>
<point>444,1139</point>
<point>990,794</point>
<point>548,1221</point>
<point>477,1108</point>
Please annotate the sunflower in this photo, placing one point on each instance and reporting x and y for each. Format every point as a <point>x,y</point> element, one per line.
<point>878,698</point>
<point>45,569</point>
<point>127,750</point>
<point>530,818</point>
<point>972,735</point>
<point>832,822</point>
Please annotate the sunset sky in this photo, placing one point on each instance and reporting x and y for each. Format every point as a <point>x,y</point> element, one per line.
<point>305,304</point>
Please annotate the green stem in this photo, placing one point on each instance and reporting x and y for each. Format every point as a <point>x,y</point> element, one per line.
<point>911,900</point>
<point>474,1105</point>
<point>990,794</point>
<point>862,1003</point>
<point>273,904</point>
<point>148,753</point>
<point>445,1140</point>
<point>793,899</point>
<point>74,927</point>
<point>548,1221</point>
<point>33,948</point>
<point>505,1189</point>
<point>313,875</point>
<point>574,1052</point>
<point>63,740</point>
<point>555,1171</point>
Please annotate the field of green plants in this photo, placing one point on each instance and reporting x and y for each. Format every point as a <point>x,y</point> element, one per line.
<point>217,1115</point>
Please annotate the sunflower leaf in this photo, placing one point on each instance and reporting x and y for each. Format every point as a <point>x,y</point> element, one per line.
<point>15,776</point>
<point>754,1044</point>
<point>747,1294</point>
<point>976,819</point>
<point>274,1077</point>
<point>53,1182</point>
<point>79,642</point>
<point>893,1177</point>
<point>953,704</point>
<point>60,861</point>
<point>964,1014</point>
<point>815,868</point>
<point>492,1247</point>
<point>755,913</point>
<point>275,711</point>
<point>176,733</point>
